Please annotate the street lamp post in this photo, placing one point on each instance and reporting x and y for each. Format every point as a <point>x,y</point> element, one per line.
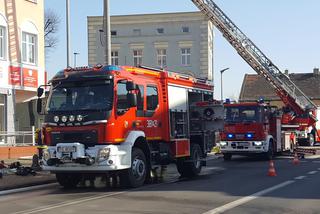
<point>75,58</point>
<point>68,31</point>
<point>107,29</point>
<point>223,70</point>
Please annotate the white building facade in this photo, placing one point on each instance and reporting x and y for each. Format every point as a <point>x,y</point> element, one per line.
<point>22,65</point>
<point>180,42</point>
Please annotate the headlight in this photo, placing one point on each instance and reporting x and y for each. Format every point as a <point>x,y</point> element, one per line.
<point>257,143</point>
<point>104,153</point>
<point>79,118</point>
<point>56,119</point>
<point>223,143</point>
<point>64,119</point>
<point>46,154</point>
<point>71,118</point>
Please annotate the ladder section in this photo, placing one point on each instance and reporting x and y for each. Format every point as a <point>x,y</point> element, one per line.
<point>289,93</point>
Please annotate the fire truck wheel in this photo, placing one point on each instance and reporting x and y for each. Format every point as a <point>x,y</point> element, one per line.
<point>68,181</point>
<point>192,166</point>
<point>136,175</point>
<point>227,157</point>
<point>311,140</point>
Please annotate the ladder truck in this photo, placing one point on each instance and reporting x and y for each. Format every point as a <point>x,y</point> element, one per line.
<point>299,114</point>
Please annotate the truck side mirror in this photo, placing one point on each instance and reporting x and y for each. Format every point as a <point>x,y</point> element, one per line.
<point>40,92</point>
<point>39,105</point>
<point>132,100</point>
<point>130,86</point>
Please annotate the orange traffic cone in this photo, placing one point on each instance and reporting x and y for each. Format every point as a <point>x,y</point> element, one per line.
<point>272,171</point>
<point>295,159</point>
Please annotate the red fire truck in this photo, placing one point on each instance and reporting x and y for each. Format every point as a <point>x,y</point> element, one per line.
<point>252,127</point>
<point>123,120</point>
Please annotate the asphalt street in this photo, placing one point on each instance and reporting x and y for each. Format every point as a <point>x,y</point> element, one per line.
<point>237,186</point>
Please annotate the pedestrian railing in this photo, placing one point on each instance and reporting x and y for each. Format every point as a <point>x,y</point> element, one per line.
<point>17,138</point>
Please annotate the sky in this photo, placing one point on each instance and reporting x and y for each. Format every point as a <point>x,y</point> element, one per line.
<point>287,31</point>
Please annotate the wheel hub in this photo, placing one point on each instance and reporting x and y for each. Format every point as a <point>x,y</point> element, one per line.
<point>138,168</point>
<point>196,159</point>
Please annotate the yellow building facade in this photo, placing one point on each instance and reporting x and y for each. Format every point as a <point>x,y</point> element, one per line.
<point>22,56</point>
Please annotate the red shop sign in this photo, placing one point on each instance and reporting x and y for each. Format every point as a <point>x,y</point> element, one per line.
<point>30,77</point>
<point>14,75</point>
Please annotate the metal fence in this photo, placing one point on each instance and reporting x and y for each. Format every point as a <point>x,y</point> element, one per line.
<point>17,138</point>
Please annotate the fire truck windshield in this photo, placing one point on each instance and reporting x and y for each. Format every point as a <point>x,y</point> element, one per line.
<point>81,96</point>
<point>239,114</point>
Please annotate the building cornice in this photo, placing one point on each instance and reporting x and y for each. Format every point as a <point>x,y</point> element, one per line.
<point>151,18</point>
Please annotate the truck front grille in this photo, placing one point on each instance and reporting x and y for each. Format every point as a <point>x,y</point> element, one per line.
<point>88,138</point>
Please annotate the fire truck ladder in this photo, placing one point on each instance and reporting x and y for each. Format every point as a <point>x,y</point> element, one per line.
<point>290,94</point>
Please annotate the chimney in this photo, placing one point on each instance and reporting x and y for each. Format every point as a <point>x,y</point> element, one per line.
<point>286,72</point>
<point>316,71</point>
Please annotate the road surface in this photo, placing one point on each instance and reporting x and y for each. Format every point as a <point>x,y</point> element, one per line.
<point>237,186</point>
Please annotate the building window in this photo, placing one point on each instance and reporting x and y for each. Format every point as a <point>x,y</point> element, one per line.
<point>29,48</point>
<point>185,56</point>
<point>162,57</point>
<point>115,57</point>
<point>113,33</point>
<point>152,98</point>
<point>2,42</point>
<point>160,30</point>
<point>137,57</point>
<point>185,29</point>
<point>137,32</point>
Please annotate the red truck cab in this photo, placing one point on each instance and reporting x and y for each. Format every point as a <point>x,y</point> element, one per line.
<point>248,130</point>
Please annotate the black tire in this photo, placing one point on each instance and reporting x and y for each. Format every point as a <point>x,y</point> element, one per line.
<point>311,140</point>
<point>270,154</point>
<point>227,157</point>
<point>136,175</point>
<point>191,166</point>
<point>68,181</point>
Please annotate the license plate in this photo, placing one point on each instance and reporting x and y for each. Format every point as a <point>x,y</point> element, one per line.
<point>66,149</point>
<point>243,144</point>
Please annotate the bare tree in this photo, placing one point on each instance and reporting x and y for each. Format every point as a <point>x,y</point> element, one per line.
<point>51,27</point>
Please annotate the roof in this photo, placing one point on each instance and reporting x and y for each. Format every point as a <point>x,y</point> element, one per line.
<point>255,87</point>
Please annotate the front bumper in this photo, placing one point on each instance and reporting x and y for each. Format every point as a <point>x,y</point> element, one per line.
<point>243,147</point>
<point>83,159</point>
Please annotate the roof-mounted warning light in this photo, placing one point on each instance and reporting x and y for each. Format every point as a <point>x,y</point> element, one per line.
<point>228,101</point>
<point>260,100</point>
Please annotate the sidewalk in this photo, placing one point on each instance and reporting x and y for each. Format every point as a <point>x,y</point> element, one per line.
<point>15,181</point>
<point>12,181</point>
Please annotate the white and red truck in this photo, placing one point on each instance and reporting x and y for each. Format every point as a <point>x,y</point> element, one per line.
<point>123,121</point>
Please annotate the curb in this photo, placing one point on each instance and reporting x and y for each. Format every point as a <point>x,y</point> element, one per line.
<point>25,189</point>
<point>27,185</point>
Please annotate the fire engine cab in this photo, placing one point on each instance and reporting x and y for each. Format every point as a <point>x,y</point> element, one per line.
<point>123,120</point>
<point>252,129</point>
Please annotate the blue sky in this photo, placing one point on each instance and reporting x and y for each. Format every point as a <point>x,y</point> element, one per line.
<point>287,31</point>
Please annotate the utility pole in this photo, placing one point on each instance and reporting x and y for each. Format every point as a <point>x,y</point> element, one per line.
<point>68,31</point>
<point>107,32</point>
<point>223,70</point>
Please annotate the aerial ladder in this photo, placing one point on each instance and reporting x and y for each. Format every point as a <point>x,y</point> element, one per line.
<point>289,93</point>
